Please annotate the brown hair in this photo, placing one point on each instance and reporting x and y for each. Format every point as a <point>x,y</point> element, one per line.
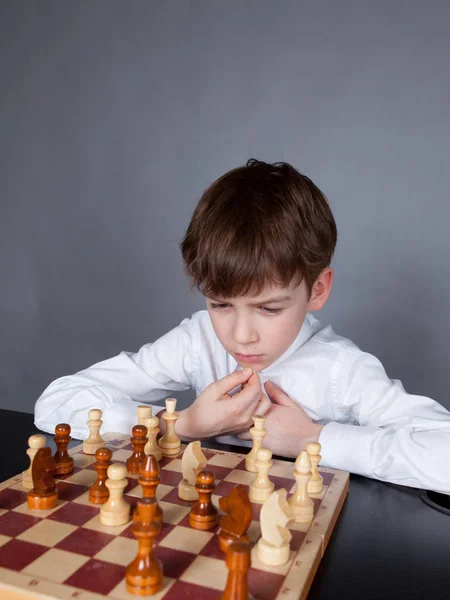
<point>260,224</point>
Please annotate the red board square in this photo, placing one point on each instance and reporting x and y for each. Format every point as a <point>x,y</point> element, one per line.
<point>9,499</point>
<point>14,523</point>
<point>132,483</point>
<point>69,491</point>
<point>175,562</point>
<point>212,549</point>
<point>282,482</point>
<point>97,576</point>
<point>264,585</point>
<point>297,539</point>
<point>223,488</point>
<point>17,554</point>
<point>74,514</point>
<point>241,465</point>
<point>170,477</point>
<point>85,541</point>
<point>191,591</point>
<point>219,472</point>
<point>327,477</point>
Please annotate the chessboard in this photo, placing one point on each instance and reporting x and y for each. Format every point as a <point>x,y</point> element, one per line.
<point>66,553</point>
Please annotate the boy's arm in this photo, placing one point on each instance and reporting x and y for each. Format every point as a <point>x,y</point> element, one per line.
<point>118,384</point>
<point>393,436</point>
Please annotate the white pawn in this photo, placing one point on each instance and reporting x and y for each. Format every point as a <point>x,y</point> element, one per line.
<point>144,412</point>
<point>146,418</point>
<point>258,433</point>
<point>35,442</point>
<point>261,488</point>
<point>151,447</point>
<point>170,443</point>
<point>115,511</point>
<point>273,545</point>
<point>301,504</point>
<point>315,484</point>
<point>94,441</point>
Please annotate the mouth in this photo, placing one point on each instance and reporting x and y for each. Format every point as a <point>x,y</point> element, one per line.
<point>248,357</point>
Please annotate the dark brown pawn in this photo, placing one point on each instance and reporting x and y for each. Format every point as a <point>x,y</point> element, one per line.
<point>64,462</point>
<point>44,494</point>
<point>238,563</point>
<point>204,514</point>
<point>149,481</point>
<point>144,576</point>
<point>138,439</point>
<point>98,492</point>
<point>234,525</point>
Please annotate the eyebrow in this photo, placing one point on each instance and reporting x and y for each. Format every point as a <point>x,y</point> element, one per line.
<point>260,302</point>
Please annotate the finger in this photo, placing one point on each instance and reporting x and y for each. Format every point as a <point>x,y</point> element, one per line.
<point>227,383</point>
<point>244,435</point>
<point>263,406</point>
<point>277,395</point>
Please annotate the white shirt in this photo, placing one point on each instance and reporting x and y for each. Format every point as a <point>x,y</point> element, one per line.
<point>372,427</point>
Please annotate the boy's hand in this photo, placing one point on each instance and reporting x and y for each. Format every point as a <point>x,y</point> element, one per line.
<point>215,412</point>
<point>289,428</point>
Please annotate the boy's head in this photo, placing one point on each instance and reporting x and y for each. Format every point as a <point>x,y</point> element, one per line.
<point>257,231</point>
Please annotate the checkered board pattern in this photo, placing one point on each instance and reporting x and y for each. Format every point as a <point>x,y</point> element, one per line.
<point>67,553</point>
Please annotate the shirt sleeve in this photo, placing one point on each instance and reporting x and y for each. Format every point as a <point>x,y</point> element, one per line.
<point>383,432</point>
<point>118,384</point>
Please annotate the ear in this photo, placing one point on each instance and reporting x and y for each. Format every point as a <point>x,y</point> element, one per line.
<point>321,289</point>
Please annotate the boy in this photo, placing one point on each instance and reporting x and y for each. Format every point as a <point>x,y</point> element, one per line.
<point>259,247</point>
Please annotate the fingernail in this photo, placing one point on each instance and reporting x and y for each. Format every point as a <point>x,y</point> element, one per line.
<point>247,371</point>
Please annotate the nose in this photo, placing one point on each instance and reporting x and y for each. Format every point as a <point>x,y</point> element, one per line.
<point>244,332</point>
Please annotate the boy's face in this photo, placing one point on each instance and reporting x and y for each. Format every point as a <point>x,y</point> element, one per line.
<point>257,330</point>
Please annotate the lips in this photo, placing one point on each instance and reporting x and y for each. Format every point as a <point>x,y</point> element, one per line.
<point>248,357</point>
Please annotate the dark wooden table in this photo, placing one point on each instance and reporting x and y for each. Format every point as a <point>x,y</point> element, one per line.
<point>387,543</point>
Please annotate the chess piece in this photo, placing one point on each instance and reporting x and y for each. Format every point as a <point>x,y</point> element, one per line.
<point>273,546</point>
<point>204,514</point>
<point>98,492</point>
<point>115,511</point>
<point>35,442</point>
<point>261,488</point>
<point>138,439</point>
<point>238,562</point>
<point>315,484</point>
<point>152,423</point>
<point>94,441</point>
<point>44,494</point>
<point>151,447</point>
<point>234,525</point>
<point>301,504</point>
<point>192,462</point>
<point>144,413</point>
<point>258,433</point>
<point>144,575</point>
<point>149,481</point>
<point>64,462</point>
<point>170,443</point>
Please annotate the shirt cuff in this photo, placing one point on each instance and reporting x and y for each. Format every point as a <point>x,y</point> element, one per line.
<point>347,447</point>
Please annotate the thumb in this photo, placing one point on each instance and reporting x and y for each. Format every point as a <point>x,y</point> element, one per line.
<point>277,395</point>
<point>227,383</point>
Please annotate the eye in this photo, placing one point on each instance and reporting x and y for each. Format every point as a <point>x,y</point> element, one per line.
<point>218,306</point>
<point>271,311</point>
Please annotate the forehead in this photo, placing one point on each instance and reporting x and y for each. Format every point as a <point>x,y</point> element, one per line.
<point>269,294</point>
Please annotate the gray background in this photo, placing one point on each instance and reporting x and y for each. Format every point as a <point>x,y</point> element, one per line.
<point>116,115</point>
